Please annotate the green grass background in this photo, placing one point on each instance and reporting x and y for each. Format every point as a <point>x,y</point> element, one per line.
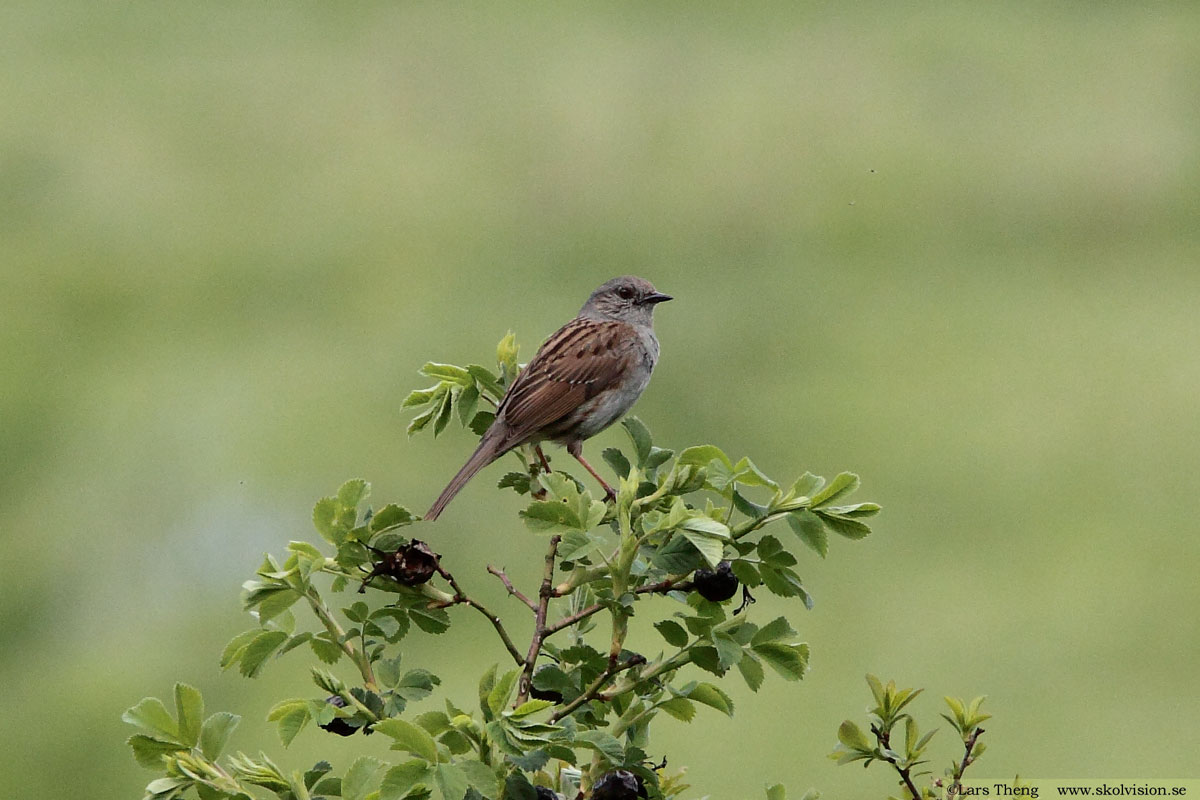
<point>953,247</point>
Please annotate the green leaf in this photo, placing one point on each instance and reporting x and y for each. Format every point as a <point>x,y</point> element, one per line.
<point>353,492</point>
<point>487,682</point>
<point>481,422</point>
<point>776,792</point>
<point>789,660</point>
<point>784,582</point>
<point>809,528</point>
<point>752,671</point>
<point>639,434</point>
<point>325,649</point>
<point>149,752</point>
<point>680,708</point>
<point>567,508</point>
<point>842,485</point>
<point>447,372</point>
<point>712,697</point>
<point>151,714</point>
<point>451,781</point>
<point>324,519</point>
<point>442,418</point>
<point>604,743</point>
<point>419,397</point>
<point>845,526</point>
<point>237,646</point>
<point>486,380</point>
<point>215,733</point>
<point>468,401</point>
<point>776,629</point>
<point>877,690</point>
<point>673,632</point>
<point>419,422</point>
<point>360,778</point>
<point>482,777</point>
<point>807,485</point>
<point>498,696</point>
<point>749,475</point>
<point>290,717</point>
<point>517,480</point>
<point>506,356</point>
<point>700,455</point>
<point>678,557</point>
<point>430,620</point>
<point>417,684</point>
<point>852,736</point>
<point>729,652</point>
<point>706,535</point>
<point>401,779</point>
<point>530,707</point>
<point>518,787</point>
<point>617,460</point>
<point>408,737</point>
<point>391,516</point>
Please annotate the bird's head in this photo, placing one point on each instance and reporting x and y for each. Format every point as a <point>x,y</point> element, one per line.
<point>625,299</point>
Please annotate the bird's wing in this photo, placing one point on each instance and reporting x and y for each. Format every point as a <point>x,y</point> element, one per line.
<point>580,360</point>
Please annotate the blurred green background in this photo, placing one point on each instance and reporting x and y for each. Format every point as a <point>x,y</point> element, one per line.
<point>952,247</point>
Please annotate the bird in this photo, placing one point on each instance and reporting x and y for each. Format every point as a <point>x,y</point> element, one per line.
<point>582,379</point>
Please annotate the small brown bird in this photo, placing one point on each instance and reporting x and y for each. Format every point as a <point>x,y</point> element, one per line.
<point>581,380</point>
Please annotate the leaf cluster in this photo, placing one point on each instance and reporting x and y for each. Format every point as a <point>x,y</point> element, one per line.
<point>905,757</point>
<point>580,697</point>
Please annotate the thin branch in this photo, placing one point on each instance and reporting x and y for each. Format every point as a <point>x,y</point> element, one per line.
<point>593,690</point>
<point>461,597</point>
<point>661,587</point>
<point>338,634</point>
<point>969,746</point>
<point>539,621</point>
<point>515,592</point>
<point>905,775</point>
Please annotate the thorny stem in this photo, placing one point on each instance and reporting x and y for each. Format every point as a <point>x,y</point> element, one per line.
<point>905,772</point>
<point>662,587</point>
<point>461,597</point>
<point>539,621</point>
<point>593,690</point>
<point>499,573</point>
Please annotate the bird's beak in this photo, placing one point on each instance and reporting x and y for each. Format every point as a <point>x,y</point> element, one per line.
<point>657,297</point>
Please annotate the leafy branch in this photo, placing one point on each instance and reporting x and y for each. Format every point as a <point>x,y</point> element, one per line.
<point>886,715</point>
<point>573,714</point>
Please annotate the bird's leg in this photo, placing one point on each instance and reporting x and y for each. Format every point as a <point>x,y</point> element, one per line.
<point>537,448</point>
<point>576,449</point>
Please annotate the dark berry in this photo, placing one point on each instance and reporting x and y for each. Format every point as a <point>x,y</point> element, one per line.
<point>620,784</point>
<point>338,725</point>
<point>413,564</point>
<point>716,585</point>
<point>546,794</point>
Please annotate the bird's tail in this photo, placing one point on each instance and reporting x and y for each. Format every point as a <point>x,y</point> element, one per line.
<point>487,452</point>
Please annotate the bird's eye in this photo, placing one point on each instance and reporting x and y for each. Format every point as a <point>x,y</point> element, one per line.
<point>625,292</point>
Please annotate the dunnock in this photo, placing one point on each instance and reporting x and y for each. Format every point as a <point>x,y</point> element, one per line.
<point>581,380</point>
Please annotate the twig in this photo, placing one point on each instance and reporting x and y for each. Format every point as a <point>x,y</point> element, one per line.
<point>461,597</point>
<point>969,746</point>
<point>515,592</point>
<point>905,772</point>
<point>593,690</point>
<point>338,635</point>
<point>539,621</point>
<point>662,587</point>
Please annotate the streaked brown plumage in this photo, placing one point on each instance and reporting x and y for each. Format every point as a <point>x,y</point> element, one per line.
<point>581,380</point>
